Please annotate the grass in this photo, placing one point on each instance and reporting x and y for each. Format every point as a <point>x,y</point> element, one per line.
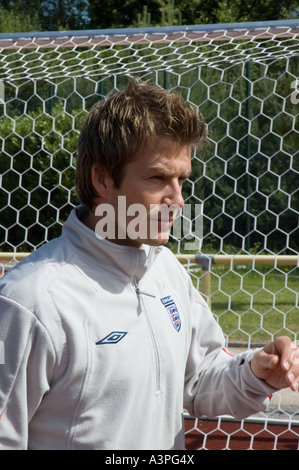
<point>254,306</point>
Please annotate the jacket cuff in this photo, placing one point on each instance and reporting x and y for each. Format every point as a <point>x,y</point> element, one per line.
<point>253,383</point>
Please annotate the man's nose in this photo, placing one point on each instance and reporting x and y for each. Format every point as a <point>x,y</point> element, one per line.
<point>174,195</point>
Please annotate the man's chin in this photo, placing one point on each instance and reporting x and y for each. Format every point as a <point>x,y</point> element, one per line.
<point>158,242</point>
<point>161,239</point>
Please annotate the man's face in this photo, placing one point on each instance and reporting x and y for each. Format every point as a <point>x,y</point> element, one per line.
<point>150,194</point>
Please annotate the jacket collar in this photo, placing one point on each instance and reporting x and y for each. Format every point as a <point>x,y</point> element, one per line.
<point>119,259</point>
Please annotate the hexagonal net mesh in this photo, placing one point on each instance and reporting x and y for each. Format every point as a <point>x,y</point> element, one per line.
<point>243,79</point>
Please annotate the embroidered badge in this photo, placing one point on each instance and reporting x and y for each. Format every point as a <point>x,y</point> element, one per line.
<point>113,337</point>
<point>171,308</point>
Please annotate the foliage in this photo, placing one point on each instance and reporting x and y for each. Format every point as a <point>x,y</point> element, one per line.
<point>115,13</point>
<point>49,15</point>
<point>251,127</point>
<point>11,21</point>
<point>37,168</point>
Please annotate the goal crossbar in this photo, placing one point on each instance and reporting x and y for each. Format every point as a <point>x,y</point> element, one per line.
<point>121,36</point>
<point>138,50</point>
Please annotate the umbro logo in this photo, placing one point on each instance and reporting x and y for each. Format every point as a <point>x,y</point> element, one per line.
<point>113,337</point>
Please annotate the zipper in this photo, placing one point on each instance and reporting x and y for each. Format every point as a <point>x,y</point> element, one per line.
<point>157,361</point>
<point>139,292</point>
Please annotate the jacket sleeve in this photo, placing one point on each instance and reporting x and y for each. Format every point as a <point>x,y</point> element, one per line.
<point>217,383</point>
<point>25,372</point>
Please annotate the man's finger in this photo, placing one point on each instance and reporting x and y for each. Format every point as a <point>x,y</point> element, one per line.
<point>294,384</point>
<point>265,360</point>
<point>290,357</point>
<point>274,360</point>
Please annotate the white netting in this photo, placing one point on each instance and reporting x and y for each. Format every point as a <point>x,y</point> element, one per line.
<point>244,80</point>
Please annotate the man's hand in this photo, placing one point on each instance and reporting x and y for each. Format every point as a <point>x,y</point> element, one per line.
<point>278,364</point>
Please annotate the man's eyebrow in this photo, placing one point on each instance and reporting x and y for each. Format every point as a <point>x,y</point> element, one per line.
<point>163,171</point>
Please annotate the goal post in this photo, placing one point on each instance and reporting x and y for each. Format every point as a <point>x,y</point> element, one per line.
<point>244,80</point>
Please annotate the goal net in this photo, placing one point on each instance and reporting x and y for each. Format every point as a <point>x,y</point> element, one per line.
<point>243,78</point>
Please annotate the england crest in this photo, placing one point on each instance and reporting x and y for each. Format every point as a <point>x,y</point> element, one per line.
<point>171,308</point>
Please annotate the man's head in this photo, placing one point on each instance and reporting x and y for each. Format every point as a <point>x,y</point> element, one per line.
<point>126,122</point>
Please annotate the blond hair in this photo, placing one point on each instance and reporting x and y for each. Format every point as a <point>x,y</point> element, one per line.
<point>117,128</point>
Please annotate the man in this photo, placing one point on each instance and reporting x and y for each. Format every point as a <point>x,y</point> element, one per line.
<point>106,340</point>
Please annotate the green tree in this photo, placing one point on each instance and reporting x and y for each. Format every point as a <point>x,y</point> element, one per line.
<point>50,15</point>
<point>45,15</point>
<point>63,14</point>
<point>230,11</point>
<point>122,13</point>
<point>117,13</point>
<point>14,22</point>
<point>37,175</point>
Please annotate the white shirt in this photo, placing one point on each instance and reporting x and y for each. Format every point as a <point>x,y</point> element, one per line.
<point>105,345</point>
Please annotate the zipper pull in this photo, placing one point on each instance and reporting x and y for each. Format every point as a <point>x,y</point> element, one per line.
<point>139,292</point>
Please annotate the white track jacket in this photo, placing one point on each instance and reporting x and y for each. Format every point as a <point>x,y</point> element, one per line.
<point>105,345</point>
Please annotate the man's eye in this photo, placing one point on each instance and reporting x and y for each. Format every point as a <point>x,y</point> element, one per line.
<point>157,177</point>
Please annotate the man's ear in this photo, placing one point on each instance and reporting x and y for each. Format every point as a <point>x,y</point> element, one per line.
<point>101,181</point>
